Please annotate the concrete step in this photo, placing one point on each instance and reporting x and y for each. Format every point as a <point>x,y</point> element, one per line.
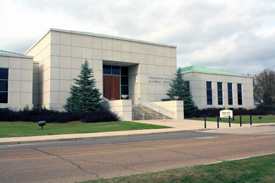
<point>144,113</point>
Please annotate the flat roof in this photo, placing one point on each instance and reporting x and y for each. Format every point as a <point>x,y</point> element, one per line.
<point>109,36</point>
<point>99,35</point>
<point>13,54</point>
<point>208,70</point>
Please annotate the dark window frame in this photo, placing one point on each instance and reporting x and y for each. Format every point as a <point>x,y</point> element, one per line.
<point>123,73</point>
<point>4,80</point>
<point>209,95</point>
<point>230,93</point>
<point>239,92</point>
<point>187,84</point>
<point>219,93</point>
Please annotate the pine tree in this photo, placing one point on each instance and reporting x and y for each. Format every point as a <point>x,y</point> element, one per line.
<point>84,96</point>
<point>179,88</point>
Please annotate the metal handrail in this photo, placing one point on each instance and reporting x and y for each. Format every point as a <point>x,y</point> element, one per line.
<point>157,108</point>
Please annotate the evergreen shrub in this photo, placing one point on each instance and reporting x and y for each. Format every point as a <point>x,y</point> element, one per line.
<point>84,96</point>
<point>179,88</point>
<point>99,117</point>
<point>266,107</point>
<point>52,116</point>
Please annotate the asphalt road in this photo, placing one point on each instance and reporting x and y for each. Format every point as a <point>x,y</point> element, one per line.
<point>102,158</point>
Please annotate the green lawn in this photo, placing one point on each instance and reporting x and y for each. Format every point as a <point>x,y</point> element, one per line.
<point>257,169</point>
<point>246,119</point>
<point>18,129</point>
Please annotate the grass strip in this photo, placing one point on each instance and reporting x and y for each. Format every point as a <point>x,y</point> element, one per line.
<point>252,170</point>
<point>20,129</point>
<point>245,119</point>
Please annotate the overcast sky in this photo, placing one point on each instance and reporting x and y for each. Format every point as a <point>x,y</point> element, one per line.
<point>231,35</point>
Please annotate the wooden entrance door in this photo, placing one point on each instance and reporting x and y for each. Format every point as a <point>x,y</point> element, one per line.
<point>111,89</point>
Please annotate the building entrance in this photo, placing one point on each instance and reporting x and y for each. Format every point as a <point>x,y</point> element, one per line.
<point>111,87</point>
<point>115,82</point>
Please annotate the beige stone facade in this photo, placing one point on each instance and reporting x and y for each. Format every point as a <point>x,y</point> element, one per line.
<point>59,54</point>
<point>197,82</point>
<point>20,80</point>
<point>123,108</point>
<point>43,76</point>
<point>177,107</point>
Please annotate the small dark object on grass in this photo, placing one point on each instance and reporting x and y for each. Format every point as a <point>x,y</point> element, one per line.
<point>42,123</point>
<point>260,117</point>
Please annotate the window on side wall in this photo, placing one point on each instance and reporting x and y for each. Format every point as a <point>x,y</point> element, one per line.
<point>230,94</point>
<point>209,92</point>
<point>187,84</point>
<point>220,96</point>
<point>4,74</point>
<point>240,98</point>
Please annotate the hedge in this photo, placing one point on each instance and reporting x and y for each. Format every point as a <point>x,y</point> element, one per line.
<point>213,112</point>
<point>51,116</point>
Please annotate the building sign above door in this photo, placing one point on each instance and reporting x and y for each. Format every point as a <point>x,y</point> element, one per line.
<point>159,79</point>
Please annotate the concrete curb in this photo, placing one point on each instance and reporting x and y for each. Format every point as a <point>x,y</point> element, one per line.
<point>94,135</point>
<point>99,137</point>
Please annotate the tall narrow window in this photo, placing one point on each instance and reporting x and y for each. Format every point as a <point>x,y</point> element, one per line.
<point>187,84</point>
<point>209,92</point>
<point>240,98</point>
<point>220,99</point>
<point>4,74</point>
<point>124,81</point>
<point>230,94</point>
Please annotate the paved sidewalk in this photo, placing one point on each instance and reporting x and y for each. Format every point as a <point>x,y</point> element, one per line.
<point>177,125</point>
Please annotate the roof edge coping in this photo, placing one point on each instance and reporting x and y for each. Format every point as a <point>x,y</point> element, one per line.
<point>212,71</point>
<point>98,35</point>
<point>109,36</point>
<point>13,54</point>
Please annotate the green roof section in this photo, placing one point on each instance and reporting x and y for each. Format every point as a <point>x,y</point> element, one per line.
<point>10,53</point>
<point>204,69</point>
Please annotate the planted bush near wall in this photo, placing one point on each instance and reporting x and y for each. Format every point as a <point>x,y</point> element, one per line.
<point>99,117</point>
<point>270,108</point>
<point>49,116</point>
<point>210,112</point>
<point>213,112</point>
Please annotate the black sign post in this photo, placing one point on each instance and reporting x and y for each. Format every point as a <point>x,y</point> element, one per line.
<point>204,121</point>
<point>240,120</point>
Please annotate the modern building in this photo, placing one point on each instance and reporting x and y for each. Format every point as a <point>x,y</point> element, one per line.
<point>123,68</point>
<point>137,71</point>
<point>16,80</point>
<point>212,88</point>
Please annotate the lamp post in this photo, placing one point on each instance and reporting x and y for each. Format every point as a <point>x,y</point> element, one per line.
<point>41,123</point>
<point>260,117</point>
